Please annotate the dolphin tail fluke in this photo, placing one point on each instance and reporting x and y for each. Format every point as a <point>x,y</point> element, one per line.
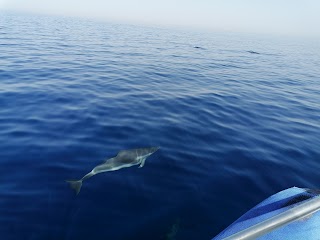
<point>76,185</point>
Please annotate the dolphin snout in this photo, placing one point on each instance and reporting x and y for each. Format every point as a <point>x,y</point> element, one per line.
<point>154,149</point>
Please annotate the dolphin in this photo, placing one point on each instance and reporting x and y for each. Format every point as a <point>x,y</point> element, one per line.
<point>125,158</point>
<point>253,52</point>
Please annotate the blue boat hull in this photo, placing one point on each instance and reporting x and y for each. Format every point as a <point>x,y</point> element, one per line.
<point>305,227</point>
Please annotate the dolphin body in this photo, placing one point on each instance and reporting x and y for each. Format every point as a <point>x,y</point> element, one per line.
<point>125,158</point>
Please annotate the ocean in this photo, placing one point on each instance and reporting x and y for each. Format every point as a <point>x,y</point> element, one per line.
<point>236,117</point>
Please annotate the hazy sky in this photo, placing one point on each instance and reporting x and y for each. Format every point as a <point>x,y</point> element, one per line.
<point>287,17</point>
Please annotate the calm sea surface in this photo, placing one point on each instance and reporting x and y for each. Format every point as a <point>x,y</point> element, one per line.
<point>237,119</point>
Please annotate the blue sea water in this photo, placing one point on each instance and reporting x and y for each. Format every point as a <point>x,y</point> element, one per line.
<point>236,117</point>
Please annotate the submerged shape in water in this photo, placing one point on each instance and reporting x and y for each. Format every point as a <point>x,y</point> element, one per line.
<point>125,158</point>
<point>171,235</point>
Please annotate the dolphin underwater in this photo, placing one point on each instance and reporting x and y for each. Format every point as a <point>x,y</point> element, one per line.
<point>125,158</point>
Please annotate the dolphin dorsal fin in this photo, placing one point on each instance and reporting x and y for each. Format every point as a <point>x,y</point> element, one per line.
<point>104,161</point>
<point>121,153</point>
